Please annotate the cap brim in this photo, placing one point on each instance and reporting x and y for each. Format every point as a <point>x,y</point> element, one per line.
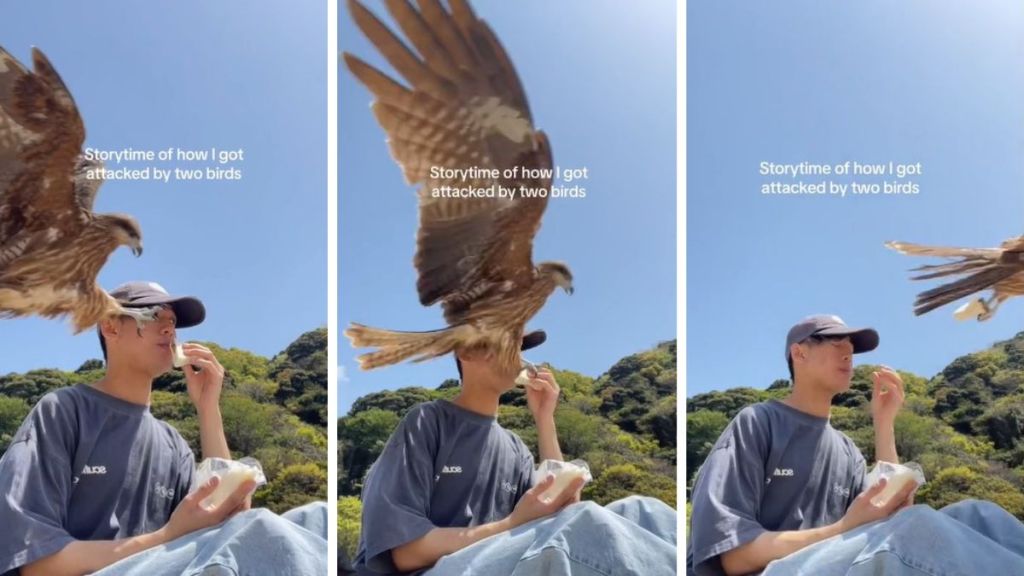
<point>863,339</point>
<point>533,339</point>
<point>188,310</point>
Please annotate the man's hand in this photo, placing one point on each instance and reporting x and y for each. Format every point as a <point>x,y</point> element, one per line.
<point>204,387</point>
<point>190,516</point>
<point>887,396</point>
<point>542,395</point>
<point>863,511</point>
<point>531,506</point>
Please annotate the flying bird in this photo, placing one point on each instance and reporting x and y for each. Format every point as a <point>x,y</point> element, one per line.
<point>1001,269</point>
<point>461,122</point>
<point>52,245</point>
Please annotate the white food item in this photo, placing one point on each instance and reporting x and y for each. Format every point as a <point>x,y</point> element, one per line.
<point>524,378</point>
<point>563,478</point>
<point>229,482</point>
<point>895,483</point>
<point>969,311</point>
<point>179,356</point>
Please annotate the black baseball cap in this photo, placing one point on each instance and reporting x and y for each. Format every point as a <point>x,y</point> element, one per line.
<point>533,339</point>
<point>863,339</point>
<point>189,310</point>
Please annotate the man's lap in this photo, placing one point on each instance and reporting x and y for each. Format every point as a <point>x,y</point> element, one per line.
<point>636,535</point>
<point>256,541</point>
<point>970,537</point>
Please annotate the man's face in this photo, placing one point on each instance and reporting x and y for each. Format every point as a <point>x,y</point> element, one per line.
<point>484,368</point>
<point>148,348</point>
<point>827,360</point>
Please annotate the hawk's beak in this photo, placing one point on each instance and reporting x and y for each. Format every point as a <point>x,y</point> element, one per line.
<point>569,290</point>
<point>137,250</point>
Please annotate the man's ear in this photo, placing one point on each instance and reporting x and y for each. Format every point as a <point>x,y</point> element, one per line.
<point>797,351</point>
<point>110,328</point>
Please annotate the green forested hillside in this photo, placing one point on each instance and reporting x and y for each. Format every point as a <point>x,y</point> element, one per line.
<point>965,425</point>
<point>274,409</point>
<point>623,423</point>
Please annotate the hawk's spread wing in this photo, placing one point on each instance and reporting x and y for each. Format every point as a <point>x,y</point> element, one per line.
<point>464,108</point>
<point>41,135</point>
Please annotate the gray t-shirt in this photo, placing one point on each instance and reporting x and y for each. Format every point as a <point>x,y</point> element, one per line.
<point>87,466</point>
<point>443,467</point>
<point>774,468</point>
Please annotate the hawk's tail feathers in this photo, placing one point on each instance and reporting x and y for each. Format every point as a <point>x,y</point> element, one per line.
<point>394,346</point>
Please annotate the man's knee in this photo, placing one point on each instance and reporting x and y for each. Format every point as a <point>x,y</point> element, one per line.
<point>637,502</point>
<point>971,506</point>
<point>914,516</point>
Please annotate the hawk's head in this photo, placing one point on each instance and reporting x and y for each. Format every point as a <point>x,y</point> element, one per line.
<point>559,273</point>
<point>124,229</point>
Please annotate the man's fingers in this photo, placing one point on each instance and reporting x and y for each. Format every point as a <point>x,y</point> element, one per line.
<point>206,489</point>
<point>195,351</point>
<point>876,489</point>
<point>901,498</point>
<point>569,492</point>
<point>544,484</point>
<point>237,498</point>
<point>201,362</point>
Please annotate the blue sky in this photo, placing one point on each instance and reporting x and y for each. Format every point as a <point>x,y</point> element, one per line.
<point>196,74</point>
<point>600,78</point>
<point>872,81</point>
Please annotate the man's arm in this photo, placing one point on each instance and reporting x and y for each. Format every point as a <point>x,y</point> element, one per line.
<point>429,548</point>
<point>886,400</point>
<point>204,389</point>
<point>542,399</point>
<point>83,557</point>
<point>756,554</point>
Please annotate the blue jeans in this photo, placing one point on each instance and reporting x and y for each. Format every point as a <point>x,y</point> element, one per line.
<point>963,539</point>
<point>252,542</point>
<point>635,535</point>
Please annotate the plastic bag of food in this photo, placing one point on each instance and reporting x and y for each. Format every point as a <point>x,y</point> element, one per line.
<point>565,473</point>
<point>232,474</point>
<point>896,475</point>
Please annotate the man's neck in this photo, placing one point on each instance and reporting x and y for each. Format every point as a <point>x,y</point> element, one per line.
<point>811,400</point>
<point>126,385</point>
<point>479,399</point>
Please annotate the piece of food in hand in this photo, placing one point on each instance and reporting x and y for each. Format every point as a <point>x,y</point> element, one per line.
<point>524,378</point>
<point>563,478</point>
<point>895,484</point>
<point>229,482</point>
<point>179,356</point>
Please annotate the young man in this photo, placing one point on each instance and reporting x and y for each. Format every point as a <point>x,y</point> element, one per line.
<point>92,478</point>
<point>454,491</point>
<point>784,492</point>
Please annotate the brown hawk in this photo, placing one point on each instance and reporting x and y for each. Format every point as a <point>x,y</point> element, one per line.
<point>52,245</point>
<point>1001,269</point>
<point>462,122</point>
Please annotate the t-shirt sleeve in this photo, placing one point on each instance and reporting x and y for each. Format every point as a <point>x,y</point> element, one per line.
<point>35,486</point>
<point>186,474</point>
<point>727,495</point>
<point>860,477</point>
<point>526,465</point>
<point>396,496</point>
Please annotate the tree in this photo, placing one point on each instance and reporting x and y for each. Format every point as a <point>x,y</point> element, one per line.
<point>362,438</point>
<point>624,480</point>
<point>702,431</point>
<point>12,412</point>
<point>295,486</point>
<point>350,511</point>
<point>955,484</point>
